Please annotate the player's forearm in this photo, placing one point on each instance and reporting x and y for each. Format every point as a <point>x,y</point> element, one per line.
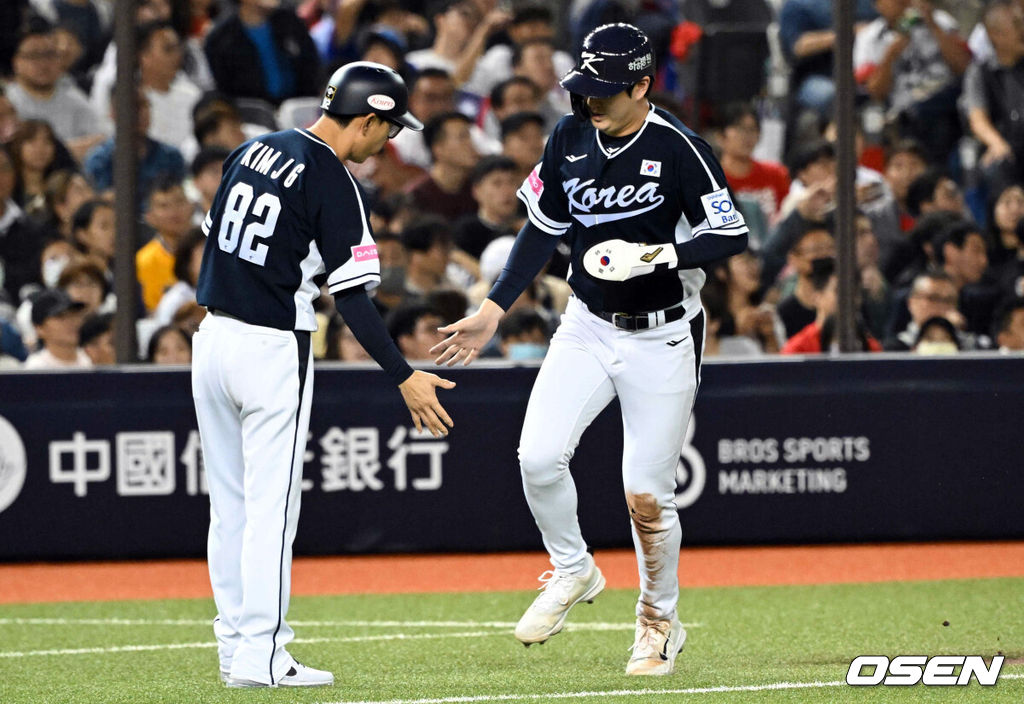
<point>365,323</point>
<point>532,250</point>
<point>709,248</point>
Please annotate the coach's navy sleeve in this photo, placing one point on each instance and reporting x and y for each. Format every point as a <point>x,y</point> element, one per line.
<point>531,251</point>
<point>546,203</point>
<point>364,321</point>
<point>342,224</point>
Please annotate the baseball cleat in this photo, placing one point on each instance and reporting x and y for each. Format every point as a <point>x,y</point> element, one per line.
<point>561,591</point>
<point>297,676</point>
<point>655,647</point>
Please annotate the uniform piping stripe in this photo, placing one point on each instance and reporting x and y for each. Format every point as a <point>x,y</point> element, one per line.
<point>314,138</point>
<point>534,204</point>
<point>540,220</point>
<point>302,346</point>
<point>353,281</point>
<point>627,145</point>
<point>655,117</point>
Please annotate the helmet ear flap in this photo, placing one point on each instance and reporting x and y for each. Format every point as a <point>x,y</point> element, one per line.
<point>579,106</point>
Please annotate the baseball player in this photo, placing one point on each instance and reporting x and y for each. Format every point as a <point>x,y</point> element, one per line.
<point>287,211</point>
<point>643,203</point>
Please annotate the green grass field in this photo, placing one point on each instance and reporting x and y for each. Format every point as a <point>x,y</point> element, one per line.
<point>459,647</point>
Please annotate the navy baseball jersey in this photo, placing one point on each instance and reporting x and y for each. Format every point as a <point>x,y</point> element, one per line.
<point>287,210</point>
<point>661,185</point>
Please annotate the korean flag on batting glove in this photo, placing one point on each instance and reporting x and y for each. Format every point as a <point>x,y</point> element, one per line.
<point>618,260</point>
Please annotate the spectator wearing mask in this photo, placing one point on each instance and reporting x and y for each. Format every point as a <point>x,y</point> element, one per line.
<point>41,91</point>
<point>494,187</point>
<point>262,50</point>
<point>820,335</point>
<point>169,213</point>
<point>446,190</point>
<point>523,335</point>
<point>171,93</point>
<point>57,320</point>
<point>813,255</point>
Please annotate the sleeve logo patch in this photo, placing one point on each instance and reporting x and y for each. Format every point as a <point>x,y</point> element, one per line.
<point>381,102</point>
<point>650,168</point>
<point>364,253</point>
<point>719,208</point>
<point>536,185</point>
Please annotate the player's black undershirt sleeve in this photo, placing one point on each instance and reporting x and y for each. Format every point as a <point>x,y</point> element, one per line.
<point>531,251</point>
<point>365,323</point>
<point>708,248</point>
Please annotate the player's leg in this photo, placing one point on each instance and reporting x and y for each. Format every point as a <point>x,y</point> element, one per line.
<point>220,430</point>
<point>655,417</point>
<point>275,423</point>
<point>572,387</point>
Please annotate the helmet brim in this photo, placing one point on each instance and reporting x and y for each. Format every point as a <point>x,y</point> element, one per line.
<point>590,86</point>
<point>407,120</point>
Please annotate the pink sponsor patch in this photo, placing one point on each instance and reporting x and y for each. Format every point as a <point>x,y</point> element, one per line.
<point>536,185</point>
<point>364,253</point>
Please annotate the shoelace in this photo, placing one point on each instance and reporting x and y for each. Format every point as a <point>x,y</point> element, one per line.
<point>556,587</point>
<point>650,642</point>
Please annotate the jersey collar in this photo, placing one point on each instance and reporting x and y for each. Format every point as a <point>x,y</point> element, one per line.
<point>627,145</point>
<point>309,135</point>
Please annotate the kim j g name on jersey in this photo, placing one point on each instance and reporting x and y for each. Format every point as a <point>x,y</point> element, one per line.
<point>262,159</point>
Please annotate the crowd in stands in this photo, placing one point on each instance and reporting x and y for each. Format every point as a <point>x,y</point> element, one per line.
<point>939,188</point>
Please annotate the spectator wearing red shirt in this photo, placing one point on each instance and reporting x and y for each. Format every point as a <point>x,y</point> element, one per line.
<point>762,181</point>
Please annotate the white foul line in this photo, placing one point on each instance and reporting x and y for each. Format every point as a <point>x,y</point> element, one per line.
<point>212,644</point>
<point>622,693</point>
<point>595,626</point>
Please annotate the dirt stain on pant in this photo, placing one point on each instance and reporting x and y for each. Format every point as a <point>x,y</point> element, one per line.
<point>651,533</point>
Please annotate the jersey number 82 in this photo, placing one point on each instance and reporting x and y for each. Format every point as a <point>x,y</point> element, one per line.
<point>236,213</point>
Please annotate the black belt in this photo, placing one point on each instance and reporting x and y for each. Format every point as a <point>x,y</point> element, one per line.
<point>642,321</point>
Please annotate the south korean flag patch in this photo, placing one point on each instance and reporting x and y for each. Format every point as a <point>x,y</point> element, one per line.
<point>720,209</point>
<point>650,168</point>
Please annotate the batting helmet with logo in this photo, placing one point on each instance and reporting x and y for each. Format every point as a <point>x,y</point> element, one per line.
<point>363,87</point>
<point>613,58</point>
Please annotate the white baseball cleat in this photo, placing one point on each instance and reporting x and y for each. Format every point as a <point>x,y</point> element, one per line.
<point>297,676</point>
<point>561,591</point>
<point>655,647</point>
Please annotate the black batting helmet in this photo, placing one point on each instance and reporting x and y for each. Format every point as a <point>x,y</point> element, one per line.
<point>613,58</point>
<point>363,87</point>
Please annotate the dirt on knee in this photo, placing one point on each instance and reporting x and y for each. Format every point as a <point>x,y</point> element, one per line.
<point>645,512</point>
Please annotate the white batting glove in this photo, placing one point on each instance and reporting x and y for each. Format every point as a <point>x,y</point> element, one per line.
<point>618,260</point>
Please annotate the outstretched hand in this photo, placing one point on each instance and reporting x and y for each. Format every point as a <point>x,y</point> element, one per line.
<point>420,395</point>
<point>467,337</point>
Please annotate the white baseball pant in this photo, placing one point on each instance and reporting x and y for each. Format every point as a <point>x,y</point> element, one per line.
<point>590,362</point>
<point>253,388</point>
